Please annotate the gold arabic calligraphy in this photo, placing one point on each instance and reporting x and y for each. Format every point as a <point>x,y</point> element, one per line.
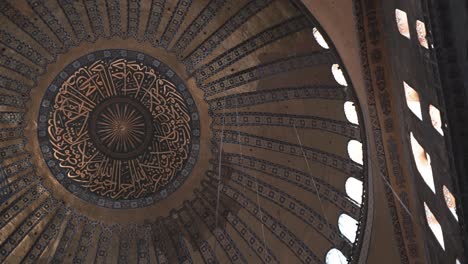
<point>121,129</point>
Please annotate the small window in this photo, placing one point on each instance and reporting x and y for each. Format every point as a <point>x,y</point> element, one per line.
<point>355,151</point>
<point>354,188</point>
<point>412,100</point>
<point>351,113</point>
<point>421,30</point>
<point>334,256</point>
<point>434,226</point>
<point>436,119</point>
<point>402,22</point>
<point>423,162</point>
<point>338,74</point>
<point>348,227</point>
<point>450,201</point>
<point>319,38</point>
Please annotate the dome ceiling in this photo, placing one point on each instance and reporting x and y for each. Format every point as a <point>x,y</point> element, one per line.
<point>175,131</point>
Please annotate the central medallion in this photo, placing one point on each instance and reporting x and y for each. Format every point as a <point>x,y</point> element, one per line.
<point>119,128</point>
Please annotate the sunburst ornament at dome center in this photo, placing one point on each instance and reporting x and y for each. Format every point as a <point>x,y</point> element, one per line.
<point>121,127</point>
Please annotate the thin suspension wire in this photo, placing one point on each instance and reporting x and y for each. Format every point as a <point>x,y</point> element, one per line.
<point>313,180</point>
<point>220,156</point>
<point>396,196</point>
<point>256,182</point>
<point>293,51</point>
<point>381,175</point>
<point>310,172</point>
<point>239,136</point>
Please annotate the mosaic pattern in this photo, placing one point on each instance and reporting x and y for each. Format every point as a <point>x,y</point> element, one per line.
<point>28,27</point>
<point>238,19</point>
<point>119,130</point>
<point>95,18</point>
<point>74,19</point>
<point>41,9</point>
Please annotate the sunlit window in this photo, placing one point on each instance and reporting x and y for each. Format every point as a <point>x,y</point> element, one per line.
<point>412,100</point>
<point>436,119</point>
<point>434,226</point>
<point>423,162</point>
<point>421,30</point>
<point>338,74</point>
<point>450,201</point>
<point>319,38</point>
<point>355,151</point>
<point>402,22</point>
<point>334,256</point>
<point>354,188</point>
<point>348,227</point>
<point>351,113</point>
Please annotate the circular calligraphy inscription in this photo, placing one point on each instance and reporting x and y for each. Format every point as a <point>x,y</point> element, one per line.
<point>119,129</point>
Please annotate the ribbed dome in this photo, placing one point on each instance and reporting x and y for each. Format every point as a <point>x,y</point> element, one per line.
<point>175,131</point>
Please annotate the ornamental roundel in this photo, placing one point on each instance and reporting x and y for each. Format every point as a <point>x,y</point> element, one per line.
<point>119,128</point>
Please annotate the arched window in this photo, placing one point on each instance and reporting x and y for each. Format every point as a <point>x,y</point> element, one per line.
<point>319,38</point>
<point>402,22</point>
<point>355,151</point>
<point>423,162</point>
<point>351,113</point>
<point>421,30</point>
<point>412,100</point>
<point>353,188</point>
<point>348,227</point>
<point>334,256</point>
<point>338,74</point>
<point>434,226</point>
<point>450,201</point>
<point>436,119</point>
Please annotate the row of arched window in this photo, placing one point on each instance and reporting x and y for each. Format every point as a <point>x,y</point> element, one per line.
<point>347,225</point>
<point>421,157</point>
<point>354,187</point>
